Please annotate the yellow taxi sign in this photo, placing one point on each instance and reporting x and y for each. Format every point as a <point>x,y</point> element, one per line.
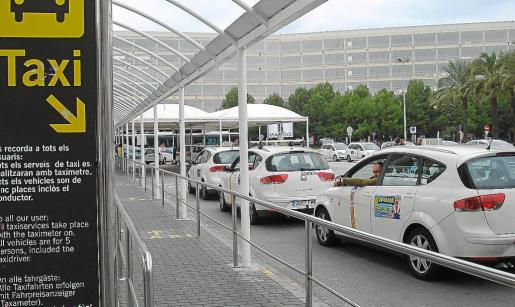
<point>42,18</point>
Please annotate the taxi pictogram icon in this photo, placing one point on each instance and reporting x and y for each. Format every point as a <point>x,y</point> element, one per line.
<point>42,18</point>
<point>59,7</point>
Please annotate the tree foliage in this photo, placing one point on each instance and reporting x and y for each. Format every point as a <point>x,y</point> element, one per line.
<point>275,100</point>
<point>231,99</point>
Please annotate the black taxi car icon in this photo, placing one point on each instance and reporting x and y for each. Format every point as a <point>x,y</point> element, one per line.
<point>58,7</point>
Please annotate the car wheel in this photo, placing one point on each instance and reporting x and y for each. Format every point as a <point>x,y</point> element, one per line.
<point>203,193</point>
<point>223,205</point>
<point>349,159</point>
<point>421,268</point>
<point>254,216</point>
<point>191,189</point>
<point>335,158</point>
<point>325,236</point>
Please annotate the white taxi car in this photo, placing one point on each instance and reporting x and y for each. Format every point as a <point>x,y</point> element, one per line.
<point>357,151</point>
<point>288,177</point>
<point>335,151</point>
<point>456,200</point>
<point>208,167</point>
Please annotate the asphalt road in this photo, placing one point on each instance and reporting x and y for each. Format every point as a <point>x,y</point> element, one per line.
<point>367,275</point>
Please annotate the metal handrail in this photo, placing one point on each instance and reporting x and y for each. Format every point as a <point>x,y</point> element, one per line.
<point>124,258</point>
<point>464,266</point>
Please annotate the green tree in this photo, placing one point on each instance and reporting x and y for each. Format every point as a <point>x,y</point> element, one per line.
<point>507,63</point>
<point>315,108</point>
<point>275,100</point>
<point>231,99</point>
<point>419,111</point>
<point>487,72</point>
<point>298,99</point>
<point>457,85</point>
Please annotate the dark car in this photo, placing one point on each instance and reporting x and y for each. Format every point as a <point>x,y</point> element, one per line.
<point>59,7</point>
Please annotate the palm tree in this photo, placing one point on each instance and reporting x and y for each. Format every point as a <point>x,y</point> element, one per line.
<point>487,72</point>
<point>456,85</point>
<point>507,62</point>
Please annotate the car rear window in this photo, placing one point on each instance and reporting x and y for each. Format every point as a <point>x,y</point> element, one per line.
<point>225,157</point>
<point>296,161</point>
<point>496,172</point>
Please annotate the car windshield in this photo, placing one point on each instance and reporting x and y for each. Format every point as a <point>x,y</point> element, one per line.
<point>296,161</point>
<point>340,146</point>
<point>492,172</point>
<point>370,146</point>
<point>225,157</point>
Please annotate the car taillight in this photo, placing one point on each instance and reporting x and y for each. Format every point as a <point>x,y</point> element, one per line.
<point>216,168</point>
<point>325,176</point>
<point>274,179</point>
<point>480,203</point>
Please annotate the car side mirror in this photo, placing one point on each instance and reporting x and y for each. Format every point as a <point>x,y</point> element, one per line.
<point>227,169</point>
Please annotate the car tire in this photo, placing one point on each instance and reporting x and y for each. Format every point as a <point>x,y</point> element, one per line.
<point>335,158</point>
<point>422,269</point>
<point>349,158</point>
<point>254,217</point>
<point>325,236</point>
<point>191,189</point>
<point>203,192</point>
<point>224,207</point>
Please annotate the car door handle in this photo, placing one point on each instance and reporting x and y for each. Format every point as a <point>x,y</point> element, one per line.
<point>409,195</point>
<point>239,179</point>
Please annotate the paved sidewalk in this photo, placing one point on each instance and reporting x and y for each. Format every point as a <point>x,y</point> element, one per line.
<point>190,271</point>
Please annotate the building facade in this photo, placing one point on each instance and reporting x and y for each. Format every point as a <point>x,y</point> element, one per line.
<point>379,58</point>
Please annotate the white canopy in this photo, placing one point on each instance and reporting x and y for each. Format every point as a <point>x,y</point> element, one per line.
<point>259,114</point>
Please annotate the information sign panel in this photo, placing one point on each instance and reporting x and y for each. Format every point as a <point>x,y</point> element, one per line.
<point>49,250</point>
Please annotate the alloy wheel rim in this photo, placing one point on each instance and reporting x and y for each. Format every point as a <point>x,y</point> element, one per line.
<point>419,264</point>
<point>322,231</point>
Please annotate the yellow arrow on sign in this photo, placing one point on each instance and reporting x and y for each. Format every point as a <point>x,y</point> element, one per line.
<point>77,124</point>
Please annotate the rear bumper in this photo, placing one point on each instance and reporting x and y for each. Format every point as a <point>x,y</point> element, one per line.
<point>287,203</point>
<point>493,240</point>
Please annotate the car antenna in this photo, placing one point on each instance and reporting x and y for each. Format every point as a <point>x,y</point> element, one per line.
<point>489,144</point>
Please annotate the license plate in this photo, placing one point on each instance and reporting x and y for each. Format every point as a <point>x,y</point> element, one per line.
<point>302,203</point>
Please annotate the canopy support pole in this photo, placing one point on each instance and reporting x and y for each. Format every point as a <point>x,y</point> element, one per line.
<point>244,155</point>
<point>133,150</point>
<point>221,139</point>
<point>182,144</point>
<point>157,194</point>
<point>307,132</point>
<point>142,148</point>
<point>204,135</point>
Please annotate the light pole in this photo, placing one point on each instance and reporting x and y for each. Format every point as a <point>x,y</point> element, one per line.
<point>403,61</point>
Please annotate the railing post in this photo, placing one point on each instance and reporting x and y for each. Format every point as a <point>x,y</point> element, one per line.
<point>133,171</point>
<point>129,266</point>
<point>153,174</point>
<point>234,211</point>
<point>176,197</point>
<point>148,282</point>
<point>197,207</point>
<point>145,177</point>
<point>163,188</point>
<point>308,283</point>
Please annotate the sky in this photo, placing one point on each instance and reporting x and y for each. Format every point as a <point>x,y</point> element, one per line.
<point>333,15</point>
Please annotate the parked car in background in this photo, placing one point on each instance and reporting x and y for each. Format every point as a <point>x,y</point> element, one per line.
<point>326,141</point>
<point>191,152</point>
<point>209,167</point>
<point>357,151</point>
<point>456,200</point>
<point>168,155</point>
<point>149,156</point>
<point>334,151</point>
<point>287,177</point>
<point>137,154</point>
<point>496,144</point>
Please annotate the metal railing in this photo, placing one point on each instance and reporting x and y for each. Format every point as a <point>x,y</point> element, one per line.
<point>461,265</point>
<point>124,259</point>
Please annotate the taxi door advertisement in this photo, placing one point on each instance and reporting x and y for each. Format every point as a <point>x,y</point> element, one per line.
<point>49,232</point>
